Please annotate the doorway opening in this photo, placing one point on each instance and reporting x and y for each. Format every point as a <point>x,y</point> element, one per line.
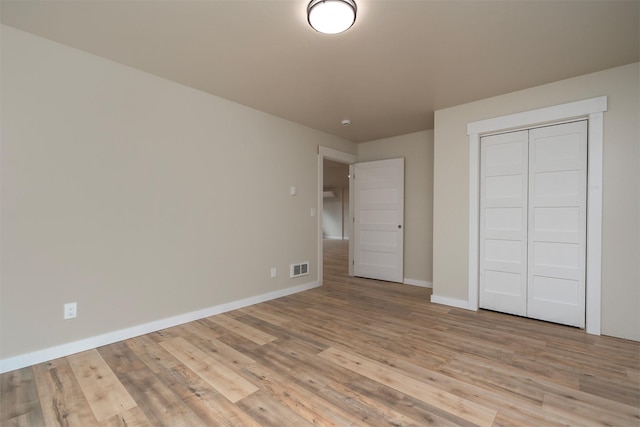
<point>335,201</point>
<point>341,207</point>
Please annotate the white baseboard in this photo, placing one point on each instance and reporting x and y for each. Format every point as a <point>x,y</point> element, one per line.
<point>415,282</point>
<point>335,238</point>
<point>453,302</point>
<point>40,356</point>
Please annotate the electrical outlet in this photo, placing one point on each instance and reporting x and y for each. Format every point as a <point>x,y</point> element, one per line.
<point>274,272</point>
<point>70,310</point>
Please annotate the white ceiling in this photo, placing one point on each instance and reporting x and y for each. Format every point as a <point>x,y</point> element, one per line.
<point>399,62</point>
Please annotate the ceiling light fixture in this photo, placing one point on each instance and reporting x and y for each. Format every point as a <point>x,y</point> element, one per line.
<point>331,16</point>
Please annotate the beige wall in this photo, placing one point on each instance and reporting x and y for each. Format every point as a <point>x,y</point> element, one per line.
<point>417,150</point>
<point>621,187</point>
<point>139,198</point>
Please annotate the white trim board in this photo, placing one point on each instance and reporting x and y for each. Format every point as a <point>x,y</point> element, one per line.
<point>591,109</point>
<point>541,116</point>
<point>33,358</point>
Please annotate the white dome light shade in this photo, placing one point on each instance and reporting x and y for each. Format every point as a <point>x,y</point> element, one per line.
<point>331,16</point>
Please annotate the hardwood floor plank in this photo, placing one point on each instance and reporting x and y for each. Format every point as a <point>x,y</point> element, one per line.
<point>515,381</point>
<point>618,390</point>
<point>215,348</point>
<point>229,383</point>
<point>105,394</point>
<point>242,329</point>
<point>205,401</point>
<point>579,364</point>
<point>583,414</point>
<point>158,402</point>
<point>206,328</point>
<point>386,375</point>
<point>519,401</point>
<point>24,420</point>
<point>262,312</point>
<point>133,417</point>
<point>300,400</point>
<point>520,390</point>
<point>375,408</point>
<point>269,411</point>
<point>527,419</point>
<point>20,403</point>
<point>298,362</point>
<point>620,351</point>
<point>61,397</point>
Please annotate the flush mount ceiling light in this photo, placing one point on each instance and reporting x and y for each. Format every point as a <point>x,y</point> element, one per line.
<point>331,16</point>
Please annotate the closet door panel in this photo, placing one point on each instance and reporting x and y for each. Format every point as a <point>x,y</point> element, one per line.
<point>557,223</point>
<point>503,223</point>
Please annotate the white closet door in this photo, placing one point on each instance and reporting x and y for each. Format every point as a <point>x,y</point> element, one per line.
<point>557,223</point>
<point>503,222</point>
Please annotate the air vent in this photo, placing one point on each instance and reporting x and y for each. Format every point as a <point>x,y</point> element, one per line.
<point>301,269</point>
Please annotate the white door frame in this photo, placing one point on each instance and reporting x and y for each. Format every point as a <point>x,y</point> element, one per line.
<point>591,109</point>
<point>336,156</point>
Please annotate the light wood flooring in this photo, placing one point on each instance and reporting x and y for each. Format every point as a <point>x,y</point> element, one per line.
<point>354,352</point>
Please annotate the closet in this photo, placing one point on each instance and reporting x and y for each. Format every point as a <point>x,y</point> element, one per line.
<point>533,199</point>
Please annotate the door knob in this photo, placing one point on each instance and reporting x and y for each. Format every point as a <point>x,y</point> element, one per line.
<point>399,226</point>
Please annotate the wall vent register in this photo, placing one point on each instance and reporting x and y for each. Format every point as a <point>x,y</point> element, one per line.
<point>301,269</point>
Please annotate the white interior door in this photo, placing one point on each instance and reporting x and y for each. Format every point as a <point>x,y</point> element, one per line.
<point>503,223</point>
<point>533,223</point>
<point>378,220</point>
<point>557,223</point>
